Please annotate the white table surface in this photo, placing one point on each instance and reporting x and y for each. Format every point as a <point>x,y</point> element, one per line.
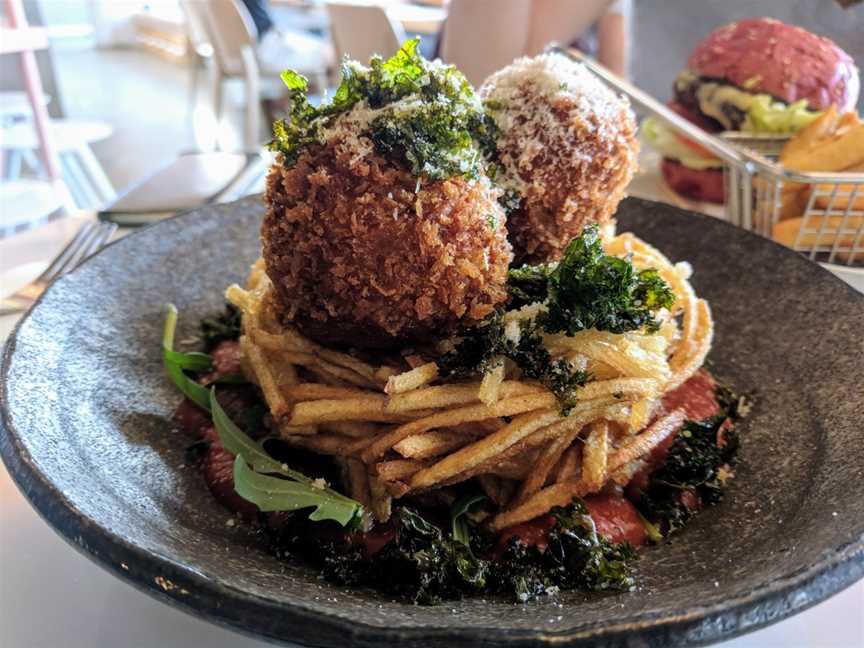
<point>52,596</point>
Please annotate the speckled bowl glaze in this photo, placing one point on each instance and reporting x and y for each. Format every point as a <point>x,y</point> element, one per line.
<point>86,435</point>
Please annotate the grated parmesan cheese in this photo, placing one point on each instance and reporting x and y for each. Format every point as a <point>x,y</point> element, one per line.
<point>546,103</point>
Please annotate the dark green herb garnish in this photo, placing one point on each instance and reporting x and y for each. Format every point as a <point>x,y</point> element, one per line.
<point>691,475</point>
<point>177,363</point>
<point>220,328</point>
<point>420,563</point>
<point>588,560</point>
<point>444,133</point>
<point>576,557</point>
<point>588,289</point>
<point>254,479</point>
<point>527,285</point>
<point>427,565</point>
<point>459,517</point>
<point>482,346</point>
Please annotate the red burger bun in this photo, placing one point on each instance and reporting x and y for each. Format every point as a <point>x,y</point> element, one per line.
<point>764,55</point>
<point>698,184</point>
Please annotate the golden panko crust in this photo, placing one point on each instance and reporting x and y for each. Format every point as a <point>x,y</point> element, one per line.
<point>573,174</point>
<point>363,254</point>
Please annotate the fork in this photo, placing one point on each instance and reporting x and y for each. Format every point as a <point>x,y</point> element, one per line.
<point>90,238</point>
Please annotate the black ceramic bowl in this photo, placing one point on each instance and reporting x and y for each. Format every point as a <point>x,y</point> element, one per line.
<point>86,435</point>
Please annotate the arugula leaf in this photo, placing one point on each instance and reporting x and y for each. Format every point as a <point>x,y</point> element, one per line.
<point>458,517</point>
<point>191,361</point>
<point>275,493</point>
<point>238,442</point>
<point>177,363</point>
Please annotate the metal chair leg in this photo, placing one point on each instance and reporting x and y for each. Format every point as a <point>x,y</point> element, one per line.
<point>98,179</point>
<point>14,157</point>
<point>73,182</point>
<point>218,100</point>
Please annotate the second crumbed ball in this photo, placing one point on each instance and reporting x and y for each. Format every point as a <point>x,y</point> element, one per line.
<point>566,148</point>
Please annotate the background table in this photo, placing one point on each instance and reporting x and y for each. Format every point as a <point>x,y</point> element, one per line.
<point>50,595</point>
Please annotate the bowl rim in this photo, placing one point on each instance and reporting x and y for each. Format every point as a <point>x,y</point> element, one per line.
<point>182,586</point>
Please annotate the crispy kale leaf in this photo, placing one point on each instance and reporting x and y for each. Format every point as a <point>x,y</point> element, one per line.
<point>576,557</point>
<point>444,133</point>
<point>219,328</point>
<point>691,475</point>
<point>589,289</point>
<point>527,285</point>
<point>420,563</point>
<point>427,565</point>
<point>481,347</point>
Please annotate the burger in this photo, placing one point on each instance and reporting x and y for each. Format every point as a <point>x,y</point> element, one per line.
<point>758,76</point>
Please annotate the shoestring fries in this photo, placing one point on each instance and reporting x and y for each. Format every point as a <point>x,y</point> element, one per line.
<point>399,429</point>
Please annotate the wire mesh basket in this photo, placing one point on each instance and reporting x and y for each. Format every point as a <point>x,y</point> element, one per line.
<point>820,215</point>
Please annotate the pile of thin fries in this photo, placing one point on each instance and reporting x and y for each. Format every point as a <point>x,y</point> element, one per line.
<point>401,431</point>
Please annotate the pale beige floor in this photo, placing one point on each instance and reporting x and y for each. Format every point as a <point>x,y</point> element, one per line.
<point>146,99</point>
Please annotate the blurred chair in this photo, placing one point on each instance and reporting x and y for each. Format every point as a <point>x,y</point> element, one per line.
<point>361,30</point>
<point>81,171</point>
<point>199,52</point>
<point>228,27</point>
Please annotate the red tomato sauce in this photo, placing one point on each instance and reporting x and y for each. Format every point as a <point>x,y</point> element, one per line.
<point>615,516</point>
<point>697,397</point>
<point>616,519</point>
<point>533,533</point>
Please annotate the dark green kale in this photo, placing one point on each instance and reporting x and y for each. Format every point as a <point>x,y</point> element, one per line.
<point>691,477</point>
<point>427,565</point>
<point>589,289</point>
<point>303,126</point>
<point>445,133</point>
<point>220,328</point>
<point>576,557</point>
<point>536,363</point>
<point>420,563</point>
<point>587,560</point>
<point>527,285</point>
<point>484,345</point>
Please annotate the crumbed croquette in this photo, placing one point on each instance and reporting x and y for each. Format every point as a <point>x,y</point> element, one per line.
<point>567,148</point>
<point>365,254</point>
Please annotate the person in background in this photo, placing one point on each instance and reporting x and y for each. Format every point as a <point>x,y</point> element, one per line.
<point>514,28</point>
<point>599,29</point>
<point>279,47</point>
<point>260,12</point>
<point>613,37</point>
